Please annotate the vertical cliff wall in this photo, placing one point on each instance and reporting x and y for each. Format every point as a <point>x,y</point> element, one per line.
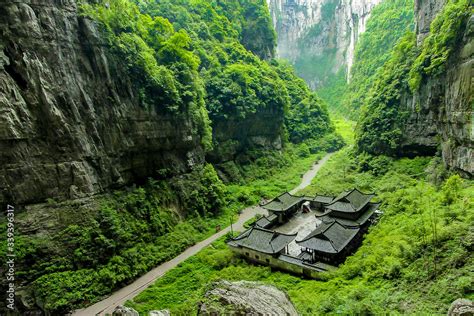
<point>76,119</point>
<point>319,36</point>
<point>441,111</point>
<point>71,120</point>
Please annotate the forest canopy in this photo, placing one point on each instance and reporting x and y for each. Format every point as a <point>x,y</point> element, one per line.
<point>212,59</point>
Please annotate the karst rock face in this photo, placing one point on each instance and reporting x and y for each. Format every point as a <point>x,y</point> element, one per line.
<point>245,298</point>
<point>71,123</point>
<point>441,111</point>
<point>316,28</point>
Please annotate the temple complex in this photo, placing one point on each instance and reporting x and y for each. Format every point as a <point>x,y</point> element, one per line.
<point>341,223</point>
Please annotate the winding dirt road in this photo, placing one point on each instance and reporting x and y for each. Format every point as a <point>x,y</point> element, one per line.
<point>128,292</point>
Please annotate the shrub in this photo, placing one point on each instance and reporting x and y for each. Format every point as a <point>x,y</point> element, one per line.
<point>445,34</point>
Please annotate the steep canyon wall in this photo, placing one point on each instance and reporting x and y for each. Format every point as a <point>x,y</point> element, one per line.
<point>441,111</point>
<point>319,36</point>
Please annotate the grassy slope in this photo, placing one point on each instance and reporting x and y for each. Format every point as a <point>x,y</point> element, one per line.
<point>345,128</point>
<point>401,266</point>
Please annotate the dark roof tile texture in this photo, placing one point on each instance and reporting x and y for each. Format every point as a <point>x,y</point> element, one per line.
<point>329,237</point>
<point>350,201</point>
<point>263,240</point>
<point>283,202</point>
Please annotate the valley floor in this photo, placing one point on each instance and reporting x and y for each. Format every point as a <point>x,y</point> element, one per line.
<point>417,260</point>
<point>128,292</point>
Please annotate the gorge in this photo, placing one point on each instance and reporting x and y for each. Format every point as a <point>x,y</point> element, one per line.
<point>131,130</point>
<point>319,37</point>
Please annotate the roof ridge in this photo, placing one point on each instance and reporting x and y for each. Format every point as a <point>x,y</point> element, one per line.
<point>273,231</point>
<point>336,199</point>
<point>310,235</point>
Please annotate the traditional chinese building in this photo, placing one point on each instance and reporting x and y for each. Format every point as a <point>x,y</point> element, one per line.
<point>260,244</point>
<point>330,242</point>
<point>270,248</point>
<point>350,205</point>
<point>344,222</point>
<point>284,206</point>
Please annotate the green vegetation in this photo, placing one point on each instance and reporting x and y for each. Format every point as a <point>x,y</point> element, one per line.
<point>308,117</point>
<point>345,128</point>
<point>243,89</point>
<point>158,59</point>
<point>192,56</point>
<point>334,92</point>
<point>95,250</point>
<point>200,61</point>
<point>271,175</point>
<point>417,259</point>
<point>388,22</point>
<point>445,34</point>
<point>379,130</point>
<point>130,232</point>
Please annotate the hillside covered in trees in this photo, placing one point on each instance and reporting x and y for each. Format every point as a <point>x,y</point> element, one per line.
<point>132,130</point>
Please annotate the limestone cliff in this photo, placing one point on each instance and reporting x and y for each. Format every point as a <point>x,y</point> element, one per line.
<point>72,120</point>
<point>441,111</point>
<point>71,123</point>
<point>319,36</point>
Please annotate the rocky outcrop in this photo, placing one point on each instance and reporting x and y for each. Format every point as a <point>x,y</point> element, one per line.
<point>124,311</point>
<point>461,307</point>
<point>441,112</point>
<point>71,122</point>
<point>245,298</point>
<point>426,11</point>
<point>319,31</point>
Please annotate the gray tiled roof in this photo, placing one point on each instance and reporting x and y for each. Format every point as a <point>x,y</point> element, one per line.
<point>319,198</point>
<point>262,240</point>
<point>283,202</point>
<point>350,201</point>
<point>266,221</point>
<point>329,237</point>
<point>323,199</point>
<point>263,222</point>
<point>362,218</point>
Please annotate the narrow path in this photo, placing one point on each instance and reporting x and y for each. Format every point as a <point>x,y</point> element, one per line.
<point>128,292</point>
<point>309,176</point>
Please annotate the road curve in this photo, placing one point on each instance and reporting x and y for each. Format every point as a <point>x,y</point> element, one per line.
<point>107,305</point>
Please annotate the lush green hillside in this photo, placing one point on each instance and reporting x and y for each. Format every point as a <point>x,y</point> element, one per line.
<point>417,259</point>
<point>388,22</point>
<point>210,59</point>
<point>208,56</point>
<point>380,128</point>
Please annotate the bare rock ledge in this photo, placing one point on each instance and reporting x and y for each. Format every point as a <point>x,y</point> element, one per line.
<point>246,298</point>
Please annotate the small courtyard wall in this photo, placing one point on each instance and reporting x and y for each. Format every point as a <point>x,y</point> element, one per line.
<point>269,260</point>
